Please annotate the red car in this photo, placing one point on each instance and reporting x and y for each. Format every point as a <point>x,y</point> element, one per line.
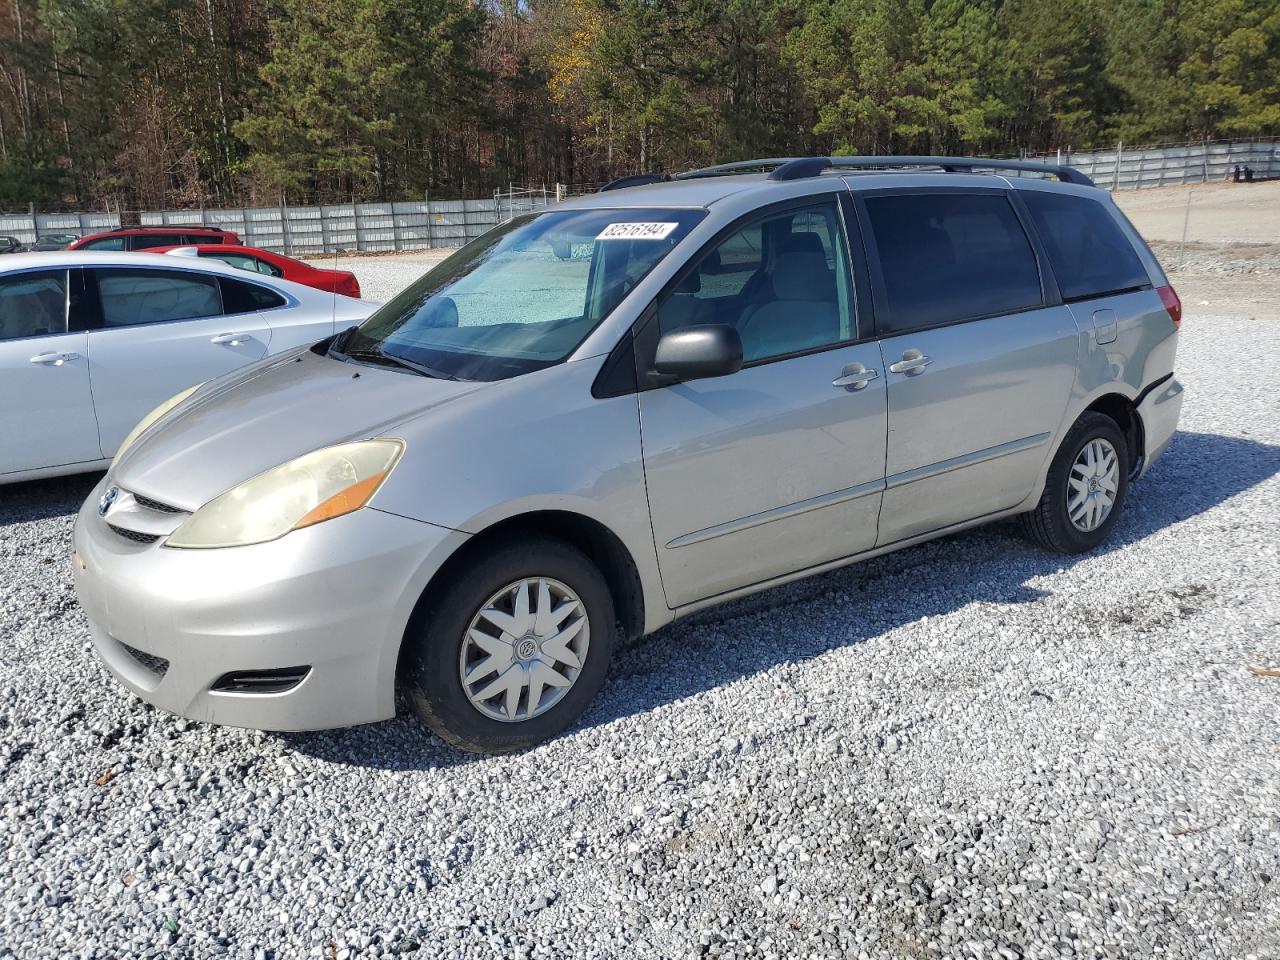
<point>273,265</point>
<point>148,238</point>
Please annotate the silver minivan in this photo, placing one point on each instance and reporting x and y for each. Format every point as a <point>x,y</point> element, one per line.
<point>598,418</point>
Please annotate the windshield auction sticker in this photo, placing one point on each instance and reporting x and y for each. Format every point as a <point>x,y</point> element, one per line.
<point>637,231</point>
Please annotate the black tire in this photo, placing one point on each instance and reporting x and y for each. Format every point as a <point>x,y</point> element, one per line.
<point>1049,523</point>
<point>434,646</point>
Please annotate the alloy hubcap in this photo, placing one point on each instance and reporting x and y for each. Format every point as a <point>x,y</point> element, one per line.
<point>524,649</point>
<point>1092,485</point>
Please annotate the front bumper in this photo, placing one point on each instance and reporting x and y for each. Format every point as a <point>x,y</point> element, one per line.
<point>335,597</point>
<point>1159,411</point>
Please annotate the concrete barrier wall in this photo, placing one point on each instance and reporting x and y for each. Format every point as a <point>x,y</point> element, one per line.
<point>316,231</point>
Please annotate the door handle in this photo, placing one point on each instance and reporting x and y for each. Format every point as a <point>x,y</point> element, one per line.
<point>231,339</point>
<point>854,377</point>
<point>54,359</point>
<point>912,363</point>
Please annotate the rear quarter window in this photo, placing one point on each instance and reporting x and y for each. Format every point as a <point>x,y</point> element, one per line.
<point>947,257</point>
<point>241,297</point>
<point>1089,253</point>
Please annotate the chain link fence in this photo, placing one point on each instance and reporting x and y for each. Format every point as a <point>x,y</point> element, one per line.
<point>418,225</point>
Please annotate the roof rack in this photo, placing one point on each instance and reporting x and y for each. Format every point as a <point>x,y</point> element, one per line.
<point>176,227</point>
<point>798,168</point>
<point>635,180</point>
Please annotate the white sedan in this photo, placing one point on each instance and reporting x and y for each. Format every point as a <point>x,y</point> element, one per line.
<point>90,342</point>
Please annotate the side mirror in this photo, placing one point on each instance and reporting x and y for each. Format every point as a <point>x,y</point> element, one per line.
<point>695,353</point>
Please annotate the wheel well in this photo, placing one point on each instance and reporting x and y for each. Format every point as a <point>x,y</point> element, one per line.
<point>593,538</point>
<point>1121,409</point>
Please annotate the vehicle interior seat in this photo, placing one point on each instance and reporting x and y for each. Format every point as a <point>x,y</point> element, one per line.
<point>37,312</point>
<point>803,312</point>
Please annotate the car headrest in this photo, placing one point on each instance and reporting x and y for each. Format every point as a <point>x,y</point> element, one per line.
<point>807,242</point>
<point>802,276</point>
<point>441,311</point>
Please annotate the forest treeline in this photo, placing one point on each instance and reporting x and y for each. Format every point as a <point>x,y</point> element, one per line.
<point>142,104</point>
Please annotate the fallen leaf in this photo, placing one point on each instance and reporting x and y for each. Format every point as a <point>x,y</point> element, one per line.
<point>1264,672</point>
<point>105,777</point>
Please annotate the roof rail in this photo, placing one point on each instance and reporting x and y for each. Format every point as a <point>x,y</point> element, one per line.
<point>949,164</point>
<point>176,227</point>
<point>739,166</point>
<point>798,168</point>
<point>635,180</point>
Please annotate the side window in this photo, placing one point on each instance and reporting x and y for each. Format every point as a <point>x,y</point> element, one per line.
<point>239,260</point>
<point>947,257</point>
<point>105,243</point>
<point>132,296</point>
<point>145,241</point>
<point>241,297</point>
<point>33,304</point>
<point>1090,254</point>
<point>782,281</point>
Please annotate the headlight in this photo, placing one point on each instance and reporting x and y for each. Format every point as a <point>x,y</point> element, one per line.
<point>315,487</point>
<point>152,417</point>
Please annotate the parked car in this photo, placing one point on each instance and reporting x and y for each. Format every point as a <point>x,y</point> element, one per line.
<point>273,265</point>
<point>601,417</point>
<point>145,238</point>
<point>10,244</point>
<point>51,241</point>
<point>89,342</point>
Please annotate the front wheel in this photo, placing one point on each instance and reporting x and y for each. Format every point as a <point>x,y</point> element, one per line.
<point>1085,488</point>
<point>513,649</point>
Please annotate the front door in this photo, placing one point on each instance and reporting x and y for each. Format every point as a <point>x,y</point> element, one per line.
<point>158,332</point>
<point>46,410</point>
<point>979,368</point>
<point>778,467</point>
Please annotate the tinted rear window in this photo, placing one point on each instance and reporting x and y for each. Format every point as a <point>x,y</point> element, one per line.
<point>145,241</point>
<point>947,257</point>
<point>1089,252</point>
<point>241,297</point>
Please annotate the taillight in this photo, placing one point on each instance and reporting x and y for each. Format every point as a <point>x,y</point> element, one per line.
<point>349,287</point>
<point>1171,304</point>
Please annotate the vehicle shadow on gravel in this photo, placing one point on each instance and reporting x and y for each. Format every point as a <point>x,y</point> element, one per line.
<point>717,646</point>
<point>43,499</point>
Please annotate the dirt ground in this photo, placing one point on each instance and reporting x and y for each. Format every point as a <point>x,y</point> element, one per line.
<point>1230,264</point>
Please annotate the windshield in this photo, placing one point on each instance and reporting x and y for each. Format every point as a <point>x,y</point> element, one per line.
<point>521,297</point>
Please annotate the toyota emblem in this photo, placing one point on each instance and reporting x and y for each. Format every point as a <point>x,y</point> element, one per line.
<point>107,499</point>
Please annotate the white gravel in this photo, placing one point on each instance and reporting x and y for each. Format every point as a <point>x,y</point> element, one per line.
<point>384,275</point>
<point>967,749</point>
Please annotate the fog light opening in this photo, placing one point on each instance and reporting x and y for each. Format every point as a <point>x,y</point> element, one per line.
<point>278,680</point>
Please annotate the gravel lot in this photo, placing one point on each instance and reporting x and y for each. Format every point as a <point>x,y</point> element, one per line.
<point>967,749</point>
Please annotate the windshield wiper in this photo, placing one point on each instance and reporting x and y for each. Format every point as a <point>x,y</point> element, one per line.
<point>388,360</point>
<point>339,340</point>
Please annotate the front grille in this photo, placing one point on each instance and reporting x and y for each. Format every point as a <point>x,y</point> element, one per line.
<point>155,505</point>
<point>149,661</point>
<point>134,535</point>
<point>261,681</point>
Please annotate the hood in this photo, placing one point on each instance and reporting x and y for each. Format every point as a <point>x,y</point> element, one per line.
<point>258,419</point>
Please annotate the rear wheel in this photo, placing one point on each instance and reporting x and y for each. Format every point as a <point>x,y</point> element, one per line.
<point>514,649</point>
<point>1085,488</point>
